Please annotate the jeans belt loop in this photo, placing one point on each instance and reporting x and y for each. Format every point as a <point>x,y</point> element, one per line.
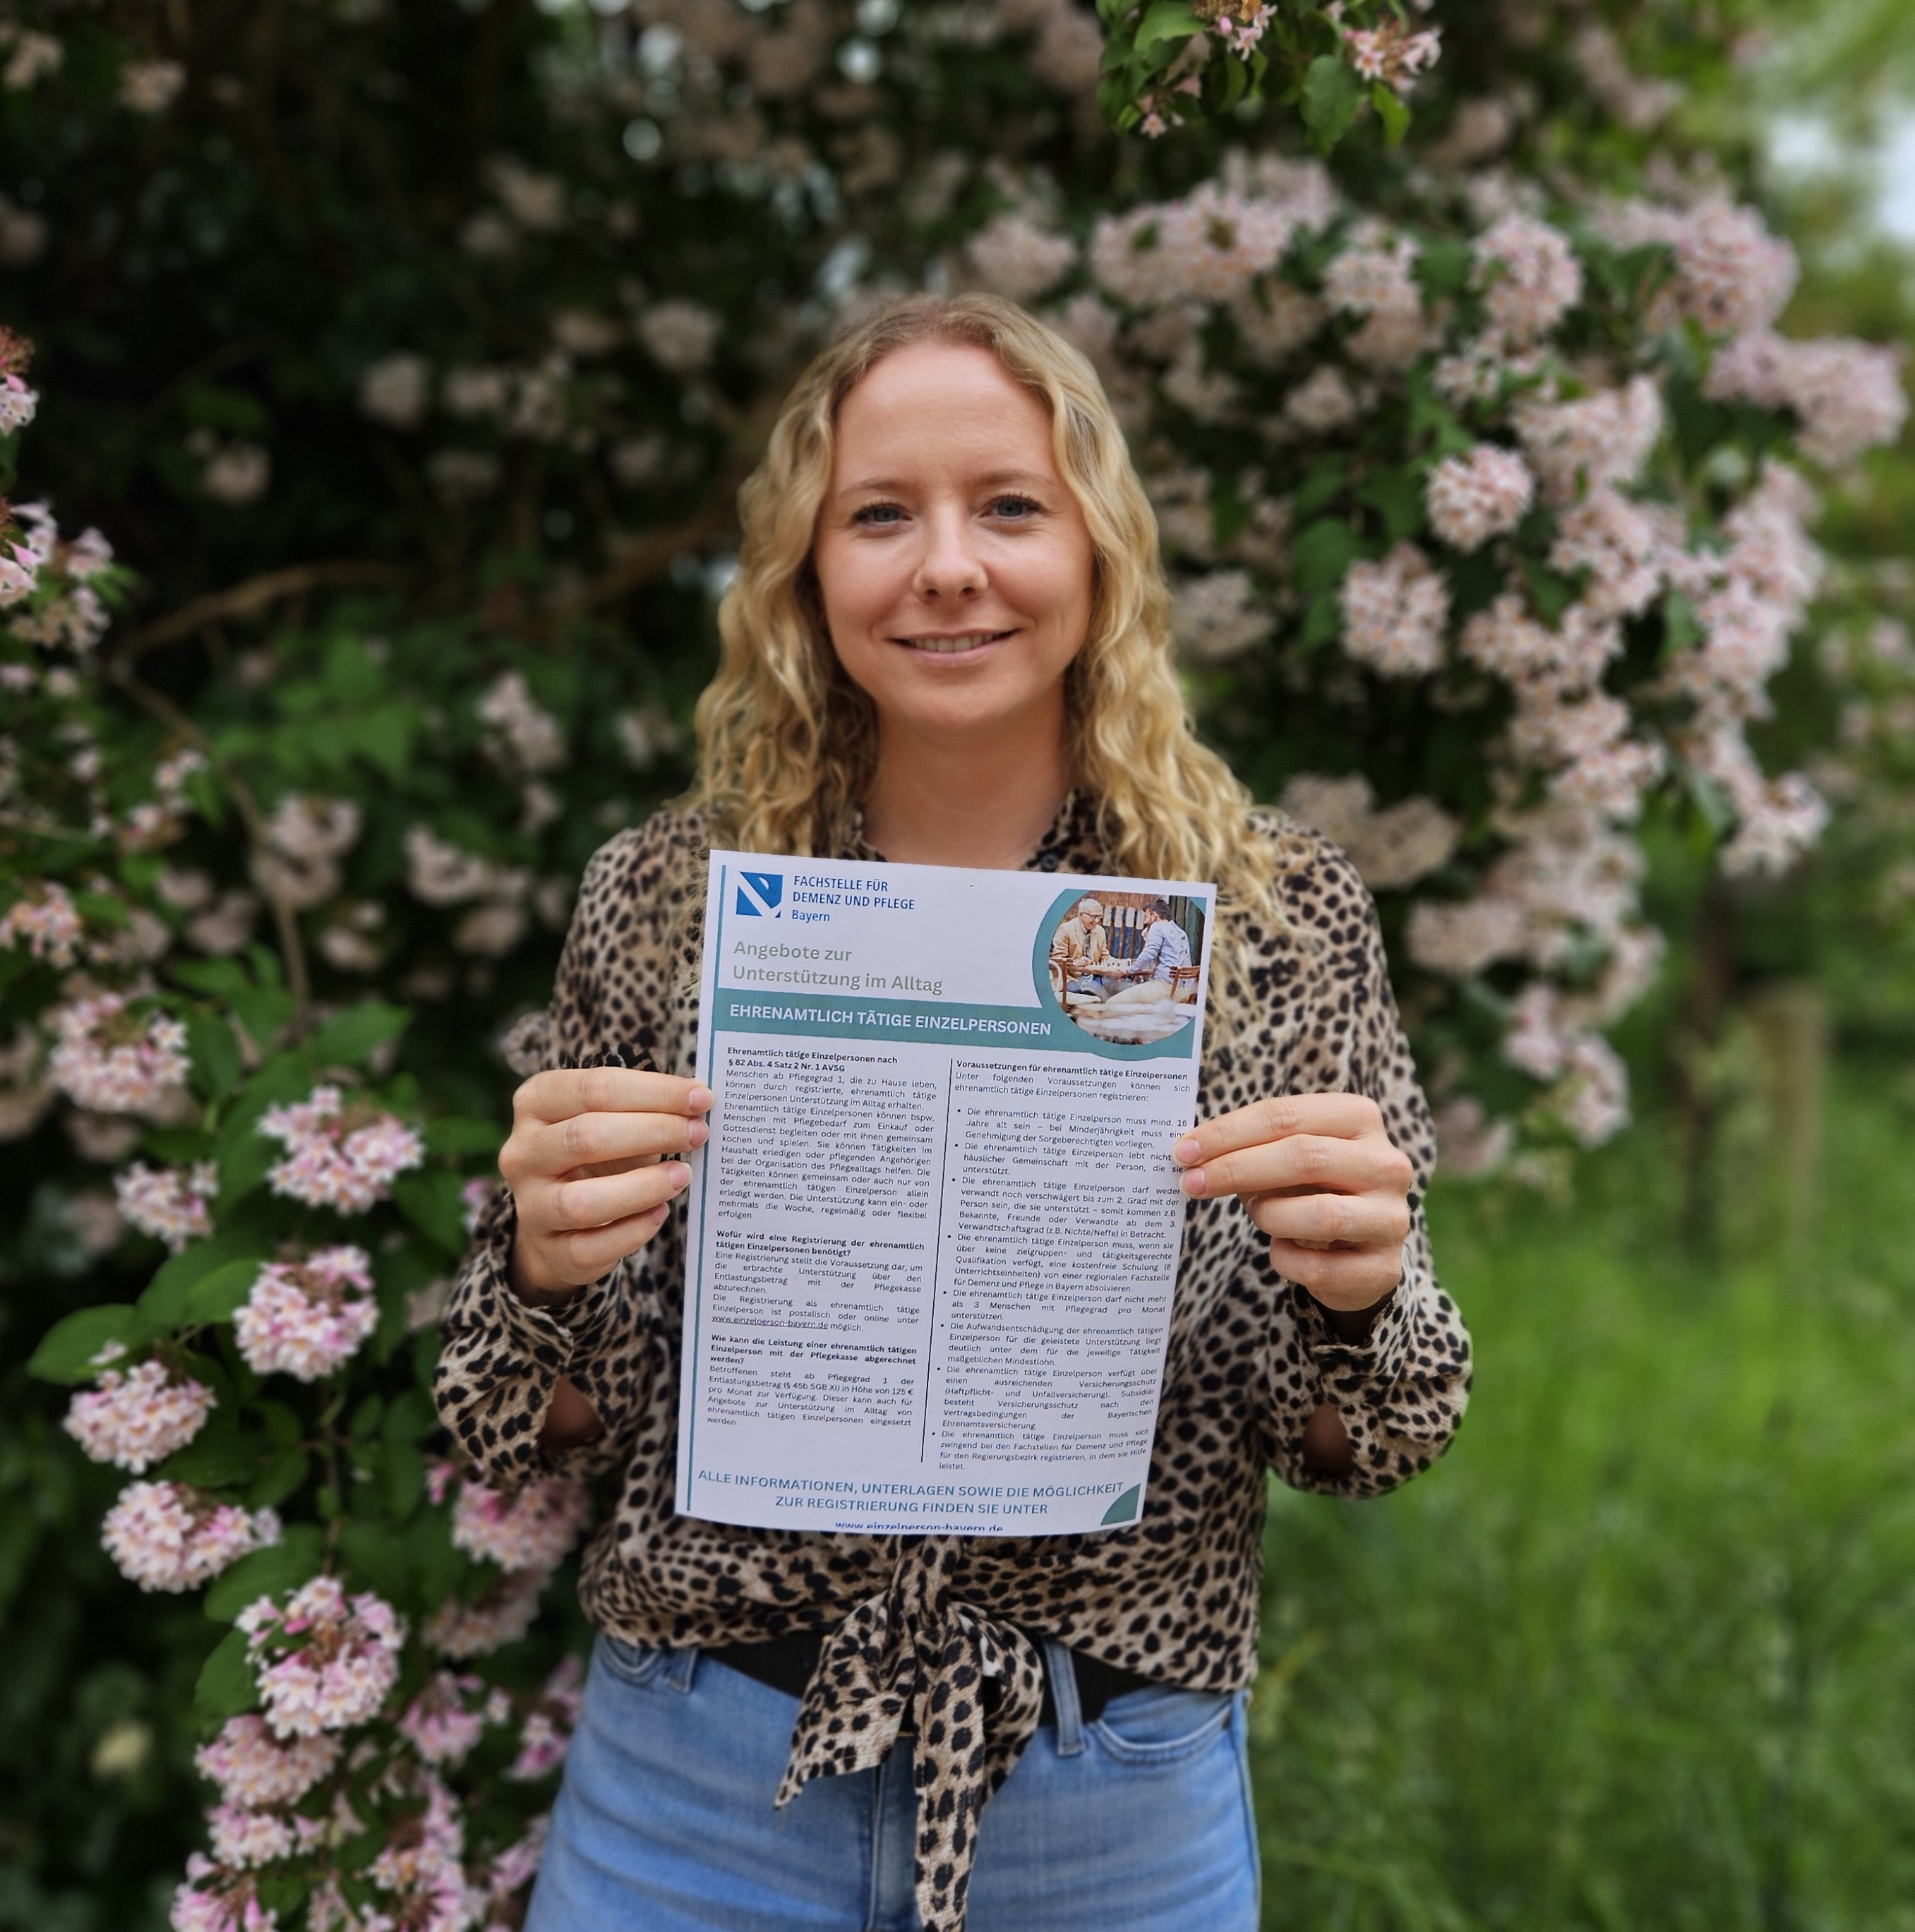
<point>1063,1675</point>
<point>680,1666</point>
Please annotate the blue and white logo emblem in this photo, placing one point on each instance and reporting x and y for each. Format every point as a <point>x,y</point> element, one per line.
<point>761,894</point>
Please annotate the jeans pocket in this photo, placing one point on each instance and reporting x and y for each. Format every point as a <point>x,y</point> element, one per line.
<point>633,1663</point>
<point>1161,1725</point>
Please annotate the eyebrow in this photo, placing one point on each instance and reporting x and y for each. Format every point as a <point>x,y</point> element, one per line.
<point>997,479</point>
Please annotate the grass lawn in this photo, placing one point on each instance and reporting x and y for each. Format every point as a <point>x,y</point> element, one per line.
<point>1637,1652</point>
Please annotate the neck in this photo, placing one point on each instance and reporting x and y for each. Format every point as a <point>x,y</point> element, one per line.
<point>983,802</point>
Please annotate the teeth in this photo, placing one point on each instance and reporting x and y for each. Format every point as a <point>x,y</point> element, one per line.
<point>969,641</point>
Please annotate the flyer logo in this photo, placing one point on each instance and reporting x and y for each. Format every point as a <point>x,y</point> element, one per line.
<point>761,894</point>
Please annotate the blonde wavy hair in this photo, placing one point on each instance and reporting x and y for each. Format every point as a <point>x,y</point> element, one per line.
<point>788,743</point>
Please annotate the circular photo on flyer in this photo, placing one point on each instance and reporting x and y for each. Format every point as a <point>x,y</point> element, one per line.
<point>1125,968</point>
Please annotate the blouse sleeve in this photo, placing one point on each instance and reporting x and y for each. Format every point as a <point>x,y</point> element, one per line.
<point>1401,1392</point>
<point>500,1356</point>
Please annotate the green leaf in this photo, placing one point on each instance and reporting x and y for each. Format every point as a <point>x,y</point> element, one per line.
<point>1332,94</point>
<point>379,1557</point>
<point>1444,268</point>
<point>217,1296</point>
<point>1322,621</point>
<point>263,1011</point>
<point>430,1201</point>
<point>1167,20</point>
<point>1398,495</point>
<point>1680,629</point>
<point>1394,115</point>
<point>67,1352</point>
<point>216,1061</point>
<point>1551,594</point>
<point>1323,552</point>
<point>1322,483</point>
<point>218,1458</point>
<point>384,736</point>
<point>245,1154</point>
<point>218,979</point>
<point>225,1686</point>
<point>347,1038</point>
<point>164,1303</point>
<point>277,1480</point>
<point>283,1565</point>
<point>459,1133</point>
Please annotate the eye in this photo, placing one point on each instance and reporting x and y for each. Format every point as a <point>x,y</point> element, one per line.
<point>1015,509</point>
<point>879,516</point>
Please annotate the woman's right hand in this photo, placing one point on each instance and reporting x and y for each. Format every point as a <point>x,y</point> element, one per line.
<point>586,1165</point>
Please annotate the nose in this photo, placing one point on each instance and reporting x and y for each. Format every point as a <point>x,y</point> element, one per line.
<point>948,566</point>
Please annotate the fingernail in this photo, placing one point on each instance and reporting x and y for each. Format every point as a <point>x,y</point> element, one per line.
<point>698,1133</point>
<point>1194,1181</point>
<point>699,1098</point>
<point>1186,1149</point>
<point>681,1176</point>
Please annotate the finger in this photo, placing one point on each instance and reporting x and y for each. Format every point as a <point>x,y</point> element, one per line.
<point>1311,1161</point>
<point>564,1206</point>
<point>1345,1116</point>
<point>1346,1278</point>
<point>561,1093</point>
<point>585,1255</point>
<point>589,1140</point>
<point>1358,1220</point>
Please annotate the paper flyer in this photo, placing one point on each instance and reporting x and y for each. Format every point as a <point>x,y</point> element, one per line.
<point>933,1239</point>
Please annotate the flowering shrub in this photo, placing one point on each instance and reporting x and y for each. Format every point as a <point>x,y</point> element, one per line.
<point>1485,460</point>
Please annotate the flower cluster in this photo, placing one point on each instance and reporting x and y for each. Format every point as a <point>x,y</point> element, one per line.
<point>1394,611</point>
<point>532,1529</point>
<point>1475,497</point>
<point>338,1155</point>
<point>138,1416</point>
<point>110,1059</point>
<point>167,1536</point>
<point>46,922</point>
<point>307,1319</point>
<point>173,1204</point>
<point>324,1660</point>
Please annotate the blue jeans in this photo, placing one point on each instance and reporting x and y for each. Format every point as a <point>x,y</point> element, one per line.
<point>1138,1822</point>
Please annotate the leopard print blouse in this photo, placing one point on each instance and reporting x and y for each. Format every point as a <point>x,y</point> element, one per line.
<point>940,1630</point>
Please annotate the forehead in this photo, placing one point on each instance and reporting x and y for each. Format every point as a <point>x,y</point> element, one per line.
<point>946,405</point>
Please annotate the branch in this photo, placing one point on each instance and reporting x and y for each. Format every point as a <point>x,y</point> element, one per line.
<point>250,599</point>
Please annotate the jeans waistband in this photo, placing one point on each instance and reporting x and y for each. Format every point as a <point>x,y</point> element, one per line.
<point>786,1664</point>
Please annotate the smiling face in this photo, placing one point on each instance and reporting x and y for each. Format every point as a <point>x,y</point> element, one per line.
<point>953,562</point>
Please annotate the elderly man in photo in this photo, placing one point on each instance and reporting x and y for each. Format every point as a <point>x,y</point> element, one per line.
<point>1080,952</point>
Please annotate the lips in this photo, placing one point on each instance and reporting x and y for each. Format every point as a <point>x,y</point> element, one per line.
<point>948,647</point>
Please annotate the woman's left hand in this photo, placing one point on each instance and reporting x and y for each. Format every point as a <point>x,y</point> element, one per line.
<point>1321,1178</point>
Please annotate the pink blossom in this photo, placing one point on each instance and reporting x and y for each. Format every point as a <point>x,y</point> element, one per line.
<point>441,1724</point>
<point>525,737</point>
<point>1014,257</point>
<point>1777,827</point>
<point>1535,1041</point>
<point>252,1770</point>
<point>211,1900</point>
<point>1602,439</point>
<point>1731,275</point>
<point>475,1197</point>
<point>165,1536</point>
<point>18,404</point>
<point>1847,394</point>
<point>338,1156</point>
<point>1592,1100</point>
<point>515,1867</point>
<point>1209,246</point>
<point>1392,53</point>
<point>502,1615</point>
<point>1394,614</point>
<point>531,1530</point>
<point>46,922</point>
<point>1460,939</point>
<point>171,1204</point>
<point>242,1838</point>
<point>110,1061</point>
<point>547,1732</point>
<point>1469,1144</point>
<point>1530,277</point>
<point>1620,545</point>
<point>139,1417</point>
<point>306,1319</point>
<point>1374,278</point>
<point>1484,494</point>
<point>1323,402</point>
<point>333,1661</point>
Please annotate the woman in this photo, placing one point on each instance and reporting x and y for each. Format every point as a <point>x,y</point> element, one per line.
<point>947,643</point>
